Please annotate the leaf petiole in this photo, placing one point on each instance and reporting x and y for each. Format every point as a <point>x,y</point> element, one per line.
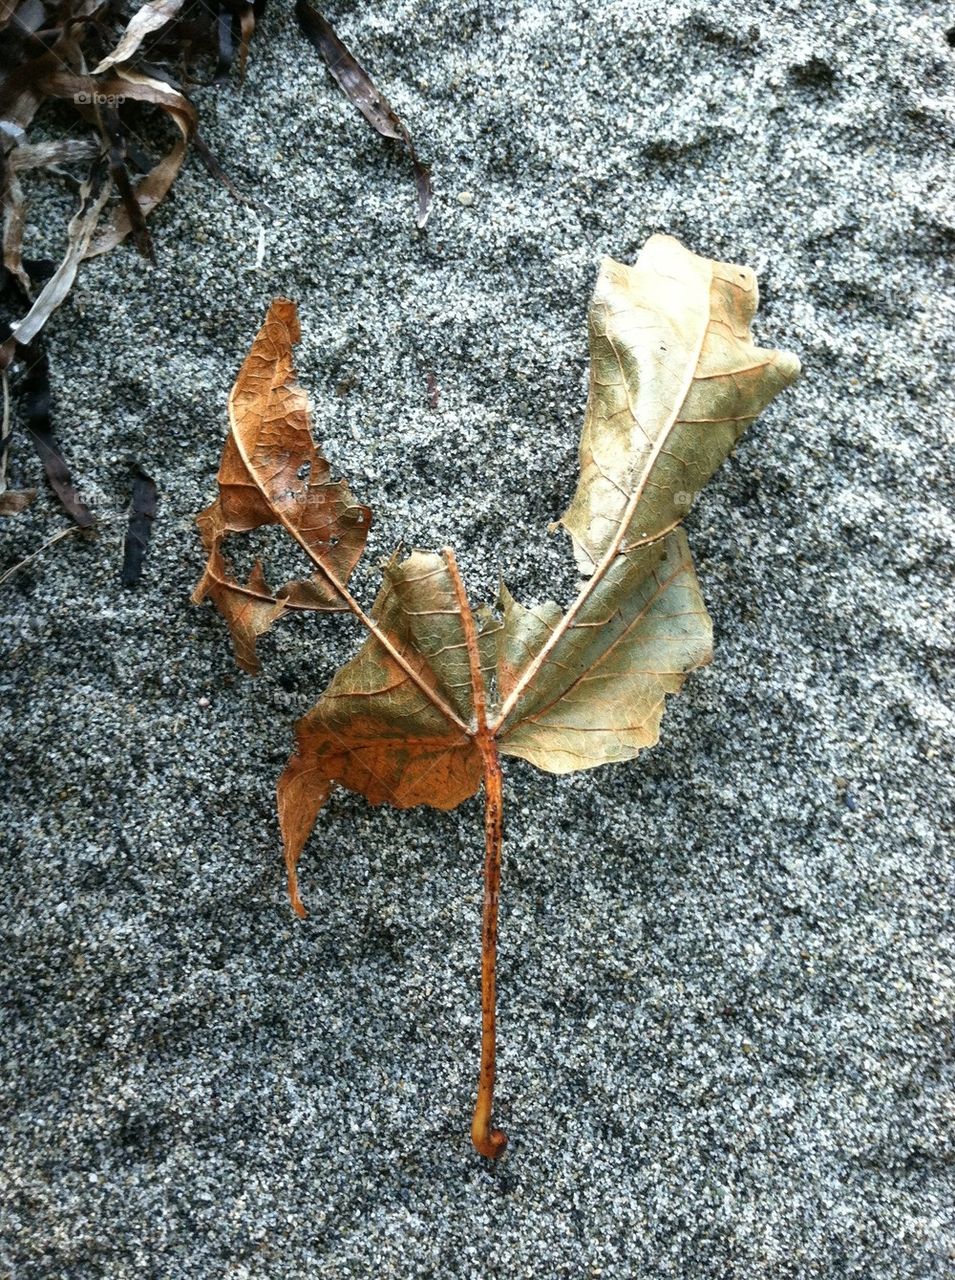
<point>488,1140</point>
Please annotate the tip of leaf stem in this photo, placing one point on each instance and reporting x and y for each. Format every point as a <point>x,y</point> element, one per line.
<point>490,1143</point>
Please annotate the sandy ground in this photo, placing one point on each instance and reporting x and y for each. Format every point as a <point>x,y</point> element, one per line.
<point>726,969</point>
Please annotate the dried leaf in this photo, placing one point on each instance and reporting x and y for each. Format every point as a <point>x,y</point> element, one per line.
<point>152,16</point>
<point>436,694</point>
<point>675,380</point>
<point>359,88</point>
<point>48,155</point>
<point>14,223</point>
<point>248,14</point>
<point>598,697</point>
<point>13,501</point>
<point>93,196</point>
<point>272,473</point>
<point>35,408</point>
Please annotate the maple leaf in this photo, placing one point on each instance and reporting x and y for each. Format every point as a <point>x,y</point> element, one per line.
<point>438,693</point>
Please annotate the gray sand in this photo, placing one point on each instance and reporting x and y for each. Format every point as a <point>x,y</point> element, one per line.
<point>726,974</point>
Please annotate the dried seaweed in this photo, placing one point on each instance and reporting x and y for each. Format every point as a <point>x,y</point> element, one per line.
<point>32,388</point>
<point>360,89</point>
<point>142,58</point>
<point>152,16</point>
<point>13,501</point>
<point>44,546</point>
<point>35,397</point>
<point>94,193</point>
<point>119,172</point>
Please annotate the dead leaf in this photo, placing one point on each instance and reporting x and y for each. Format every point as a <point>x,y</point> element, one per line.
<point>359,88</point>
<point>272,473</point>
<point>437,693</point>
<point>377,730</point>
<point>598,696</point>
<point>152,16</point>
<point>14,223</point>
<point>94,193</point>
<point>35,409</point>
<point>675,380</point>
<point>50,155</point>
<point>13,501</point>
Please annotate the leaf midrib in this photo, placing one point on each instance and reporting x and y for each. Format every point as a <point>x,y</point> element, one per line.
<point>615,547</point>
<point>332,578</point>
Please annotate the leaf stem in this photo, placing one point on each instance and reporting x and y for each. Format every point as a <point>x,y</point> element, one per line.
<point>488,1141</point>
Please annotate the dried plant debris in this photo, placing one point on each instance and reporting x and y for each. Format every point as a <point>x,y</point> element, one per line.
<point>142,513</point>
<point>13,501</point>
<point>95,72</point>
<point>28,383</point>
<point>277,478</point>
<point>25,563</point>
<point>359,88</point>
<point>438,691</point>
<point>144,21</point>
<point>35,400</point>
